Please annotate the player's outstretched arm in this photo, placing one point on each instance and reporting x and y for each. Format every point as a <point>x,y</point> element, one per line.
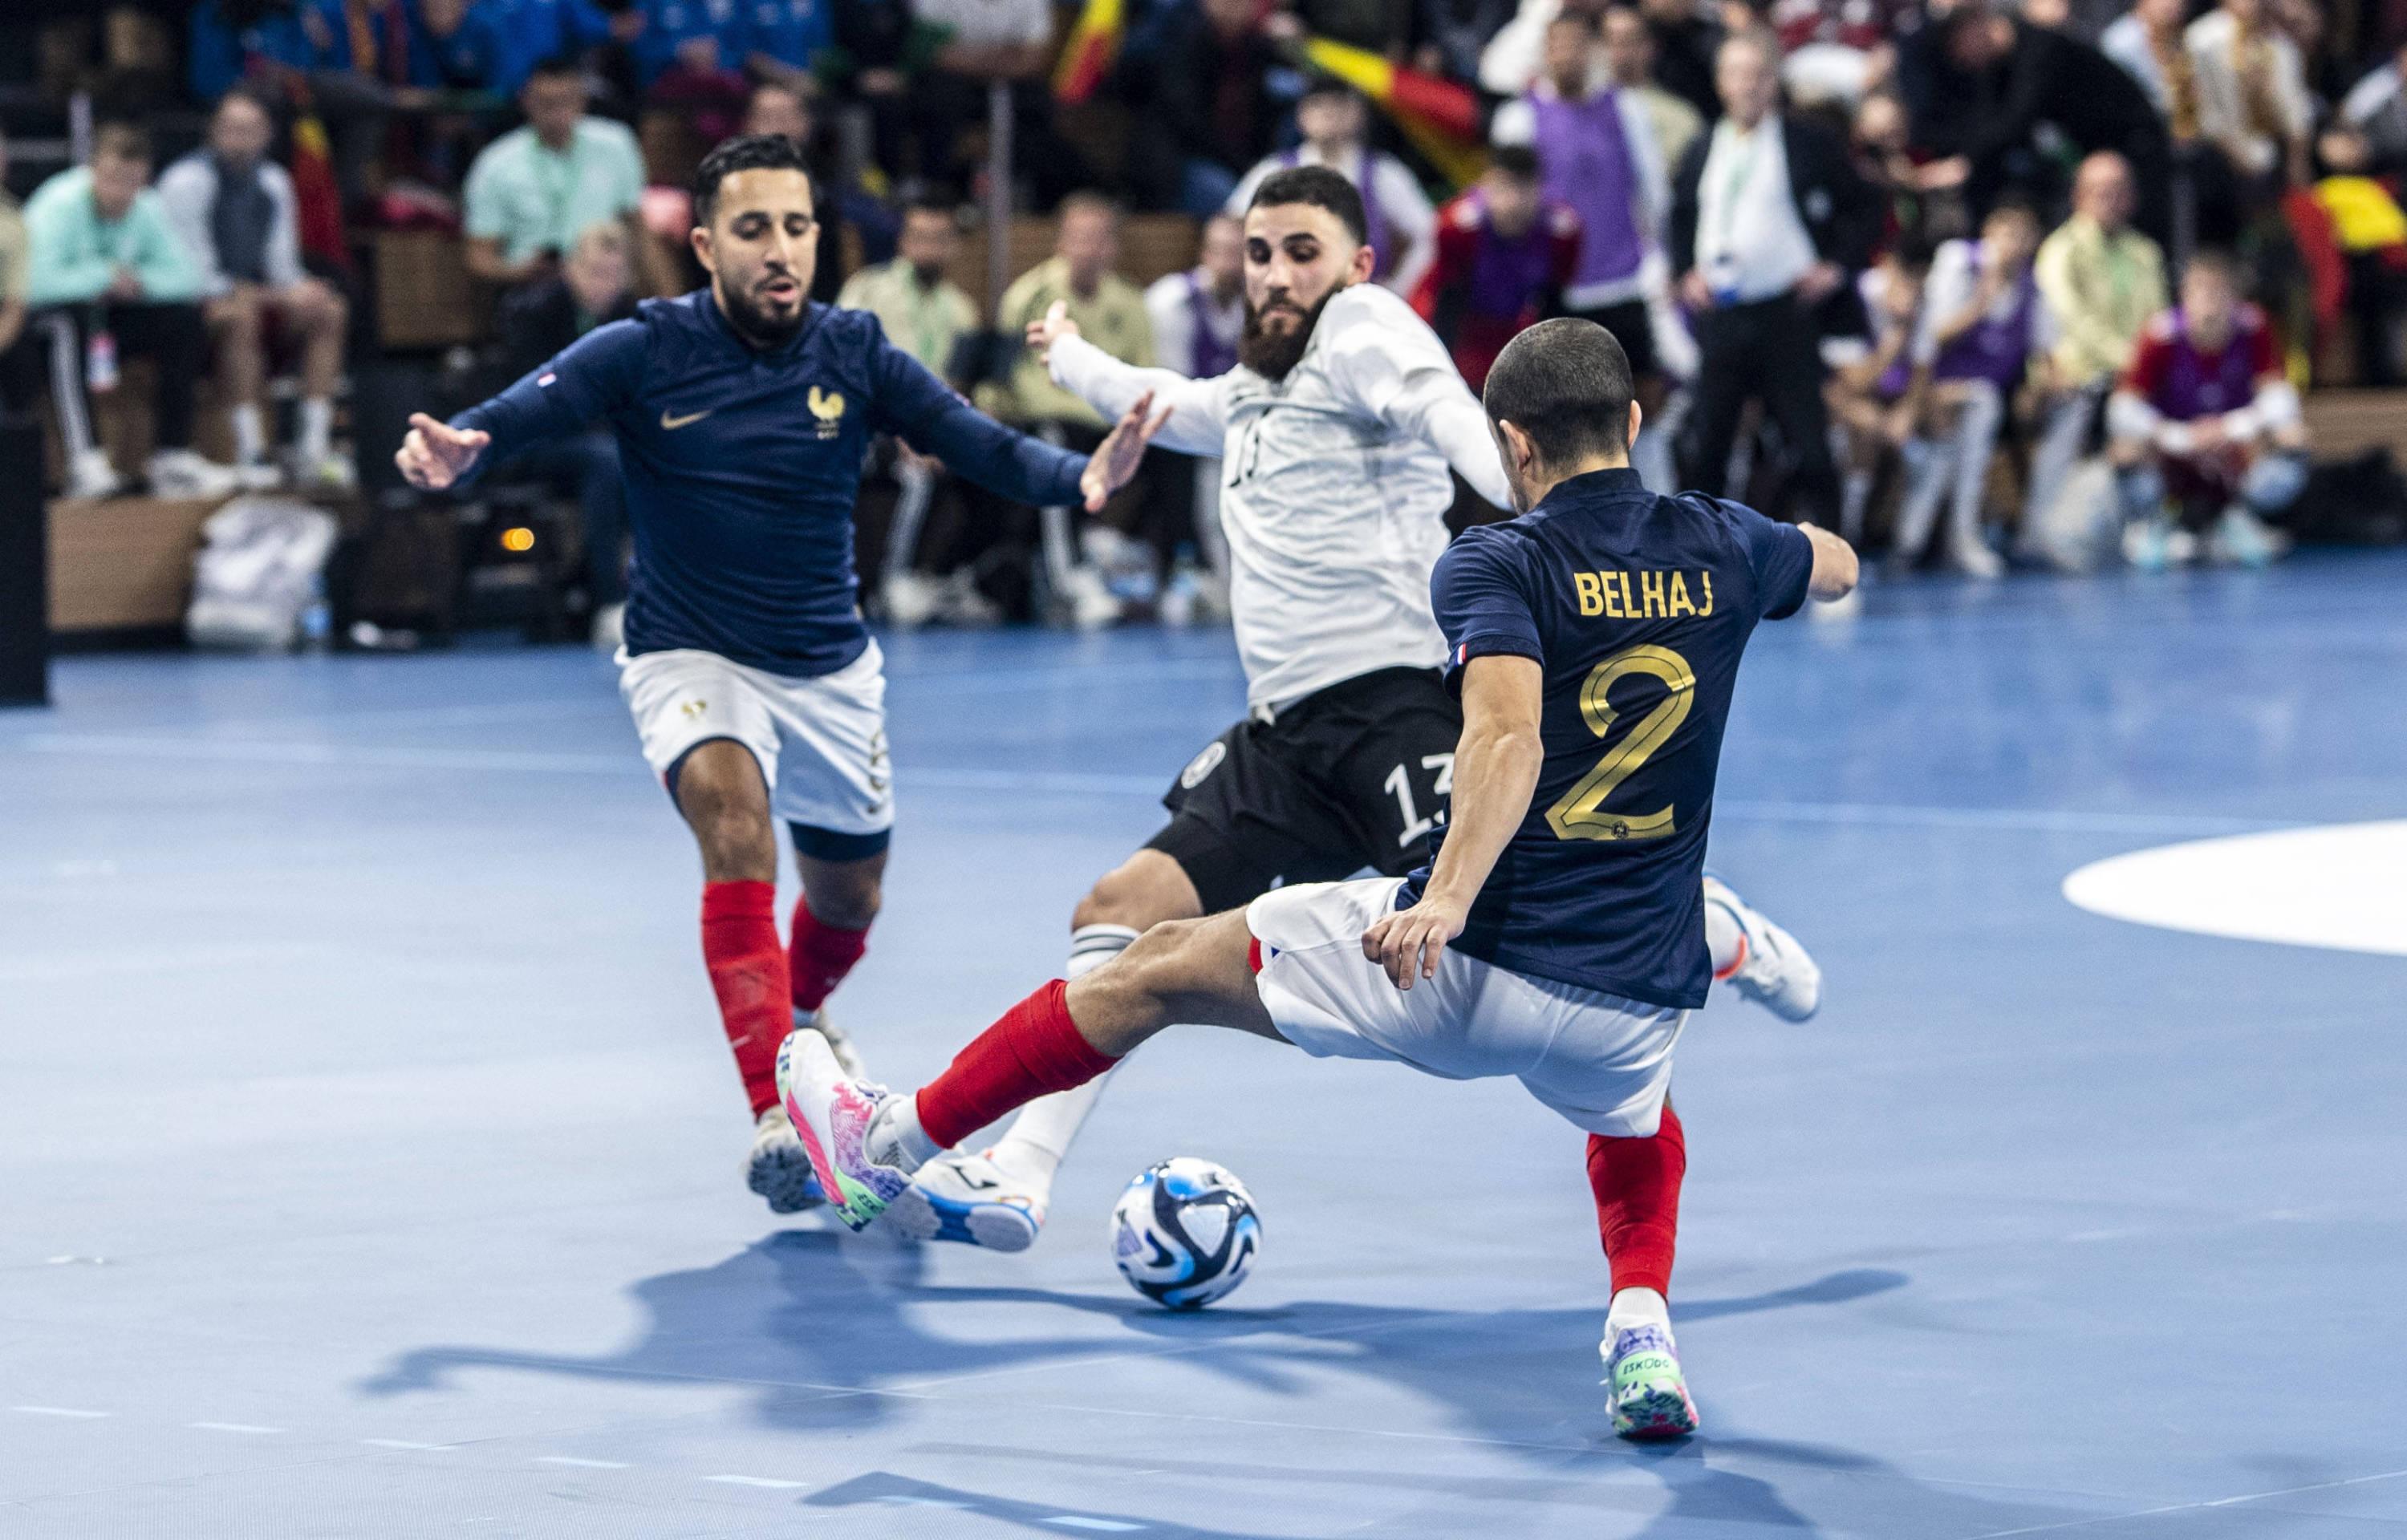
<point>1495,773</point>
<point>1114,463</point>
<point>1194,420</point>
<point>593,377</point>
<point>1834,564</point>
<point>433,454</point>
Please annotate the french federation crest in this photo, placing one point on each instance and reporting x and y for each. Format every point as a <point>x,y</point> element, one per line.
<point>828,406</point>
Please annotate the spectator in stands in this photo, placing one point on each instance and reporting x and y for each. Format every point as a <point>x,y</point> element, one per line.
<point>1885,160</point>
<point>1211,113</point>
<point>234,209</point>
<point>2206,431</point>
<point>983,41</point>
<point>2007,95</point>
<point>1630,58</point>
<point>2146,41</point>
<point>789,39</point>
<point>2252,92</point>
<point>699,39</point>
<point>929,316</point>
<point>1837,50</point>
<point>1596,151</point>
<point>1984,320</point>
<point>593,287</point>
<point>2377,108</point>
<point>778,108</point>
<point>1334,120</point>
<point>535,190</point>
<point>232,41</point>
<point>455,45</point>
<point>21,369</point>
<point>2102,280</point>
<point>1506,252</point>
<point>1110,313</point>
<point>561,29</point>
<point>114,280</point>
<point>1454,33</point>
<point>1768,221</point>
<point>2372,230</point>
<point>1875,389</point>
<point>1686,42</point>
<point>1198,317</point>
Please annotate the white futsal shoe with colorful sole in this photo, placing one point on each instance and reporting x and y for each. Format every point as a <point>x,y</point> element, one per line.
<point>777,1167</point>
<point>970,1199</point>
<point>1642,1373</point>
<point>832,1113</point>
<point>1772,970</point>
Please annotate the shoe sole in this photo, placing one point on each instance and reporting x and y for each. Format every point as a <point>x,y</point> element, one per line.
<point>785,1181</point>
<point>1655,1411</point>
<point>994,1226</point>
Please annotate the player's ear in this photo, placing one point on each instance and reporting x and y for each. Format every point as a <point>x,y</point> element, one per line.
<point>700,237</point>
<point>1520,449</point>
<point>1365,262</point>
<point>1636,417</point>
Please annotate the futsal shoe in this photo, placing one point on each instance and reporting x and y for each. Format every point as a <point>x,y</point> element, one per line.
<point>1772,970</point>
<point>970,1199</point>
<point>778,1169</point>
<point>848,1058</point>
<point>1642,1371</point>
<point>833,1115</point>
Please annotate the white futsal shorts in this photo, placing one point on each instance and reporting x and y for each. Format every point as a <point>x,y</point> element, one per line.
<point>1601,1061</point>
<point>821,742</point>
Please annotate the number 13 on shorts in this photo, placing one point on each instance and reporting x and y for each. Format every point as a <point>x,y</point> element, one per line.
<point>1417,825</point>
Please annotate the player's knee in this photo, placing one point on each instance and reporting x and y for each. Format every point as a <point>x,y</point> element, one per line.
<point>1142,891</point>
<point>730,823</point>
<point>1166,964</point>
<point>848,904</point>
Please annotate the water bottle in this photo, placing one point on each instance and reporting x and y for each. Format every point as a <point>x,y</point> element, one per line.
<point>100,361</point>
<point>316,618</point>
<point>1178,596</point>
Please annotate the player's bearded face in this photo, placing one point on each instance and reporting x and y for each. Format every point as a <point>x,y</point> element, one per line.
<point>1277,334</point>
<point>762,249</point>
<point>1297,255</point>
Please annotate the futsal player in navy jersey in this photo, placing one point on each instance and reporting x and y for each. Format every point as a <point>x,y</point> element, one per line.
<point>1561,931</point>
<point>743,411</point>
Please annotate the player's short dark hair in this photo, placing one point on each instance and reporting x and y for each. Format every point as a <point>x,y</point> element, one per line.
<point>745,153</point>
<point>931,201</point>
<point>2214,258</point>
<point>1565,382</point>
<point>557,67</point>
<point>1518,161</point>
<point>121,140</point>
<point>1319,187</point>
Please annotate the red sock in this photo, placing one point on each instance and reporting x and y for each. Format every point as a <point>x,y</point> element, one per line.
<point>747,973</point>
<point>1035,1048</point>
<point>821,957</point>
<point>1637,1186</point>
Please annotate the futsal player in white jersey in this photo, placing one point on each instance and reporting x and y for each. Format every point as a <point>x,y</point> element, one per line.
<point>1336,430</point>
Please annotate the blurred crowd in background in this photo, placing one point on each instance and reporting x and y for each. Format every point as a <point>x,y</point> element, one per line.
<point>1980,284</point>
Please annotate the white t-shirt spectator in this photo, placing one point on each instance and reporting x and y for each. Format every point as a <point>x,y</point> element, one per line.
<point>1750,243</point>
<point>533,198</point>
<point>2222,104</point>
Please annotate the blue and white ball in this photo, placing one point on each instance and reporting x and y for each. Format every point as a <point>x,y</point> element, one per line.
<point>1185,1233</point>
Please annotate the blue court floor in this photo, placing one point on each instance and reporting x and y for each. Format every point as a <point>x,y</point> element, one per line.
<point>369,1164</point>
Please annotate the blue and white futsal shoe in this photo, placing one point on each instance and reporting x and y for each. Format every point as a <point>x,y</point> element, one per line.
<point>1642,1373</point>
<point>1772,970</point>
<point>969,1198</point>
<point>778,1169</point>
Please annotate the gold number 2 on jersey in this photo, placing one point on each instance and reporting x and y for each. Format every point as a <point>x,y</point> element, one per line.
<point>1581,815</point>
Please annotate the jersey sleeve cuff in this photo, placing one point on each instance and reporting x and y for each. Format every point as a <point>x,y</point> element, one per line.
<point>1490,645</point>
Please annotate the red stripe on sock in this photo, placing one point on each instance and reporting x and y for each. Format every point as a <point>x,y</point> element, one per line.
<point>821,957</point>
<point>748,973</point>
<point>1034,1048</point>
<point>1637,1187</point>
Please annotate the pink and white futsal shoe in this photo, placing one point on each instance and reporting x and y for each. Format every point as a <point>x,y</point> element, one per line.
<point>833,1114</point>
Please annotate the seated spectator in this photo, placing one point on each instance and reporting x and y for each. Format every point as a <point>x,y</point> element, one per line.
<point>778,107</point>
<point>459,46</point>
<point>234,209</point>
<point>1333,120</point>
<point>1885,160</point>
<point>532,190</point>
<point>233,40</point>
<point>2377,108</point>
<point>2103,281</point>
<point>1874,389</point>
<point>1630,60</point>
<point>1454,33</point>
<point>699,39</point>
<point>789,39</point>
<point>1210,115</point>
<point>1505,255</point>
<point>1687,40</point>
<point>2147,42</point>
<point>2206,432</point>
<point>2252,92</point>
<point>1198,319</point>
<point>974,44</point>
<point>1110,313</point>
<point>20,368</point>
<point>112,280</point>
<point>929,316</point>
<point>560,29</point>
<point>593,287</point>
<point>1836,51</point>
<point>1984,320</point>
<point>2372,230</point>
<point>2006,95</point>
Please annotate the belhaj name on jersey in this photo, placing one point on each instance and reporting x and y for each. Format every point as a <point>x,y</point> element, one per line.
<point>1662,595</point>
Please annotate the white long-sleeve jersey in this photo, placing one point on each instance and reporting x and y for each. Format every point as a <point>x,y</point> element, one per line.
<point>1333,487</point>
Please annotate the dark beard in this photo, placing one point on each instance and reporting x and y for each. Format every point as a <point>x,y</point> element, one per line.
<point>1274,355</point>
<point>927,273</point>
<point>764,332</point>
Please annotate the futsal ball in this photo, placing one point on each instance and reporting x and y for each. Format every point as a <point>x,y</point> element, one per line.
<point>1185,1233</point>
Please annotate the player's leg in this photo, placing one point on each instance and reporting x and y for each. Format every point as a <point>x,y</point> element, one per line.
<point>831,928</point>
<point>868,1140</point>
<point>1636,1182</point>
<point>1759,959</point>
<point>1979,418</point>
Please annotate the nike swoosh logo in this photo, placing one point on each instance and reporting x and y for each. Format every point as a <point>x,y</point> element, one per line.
<point>673,423</point>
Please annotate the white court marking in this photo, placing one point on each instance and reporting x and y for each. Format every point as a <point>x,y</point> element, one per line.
<point>56,1411</point>
<point>580,1465</point>
<point>232,1427</point>
<point>404,1444</point>
<point>2334,887</point>
<point>770,1481</point>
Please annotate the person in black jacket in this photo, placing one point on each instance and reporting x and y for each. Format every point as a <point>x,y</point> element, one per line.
<point>1769,221</point>
<point>594,285</point>
<point>1208,113</point>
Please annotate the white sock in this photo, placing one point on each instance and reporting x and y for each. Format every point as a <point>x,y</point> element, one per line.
<point>1040,1136</point>
<point>895,1138</point>
<point>316,429</point>
<point>1636,1307</point>
<point>250,437</point>
<point>1724,939</point>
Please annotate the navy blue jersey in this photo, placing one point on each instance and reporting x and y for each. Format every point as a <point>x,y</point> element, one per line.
<point>742,467</point>
<point>1637,607</point>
